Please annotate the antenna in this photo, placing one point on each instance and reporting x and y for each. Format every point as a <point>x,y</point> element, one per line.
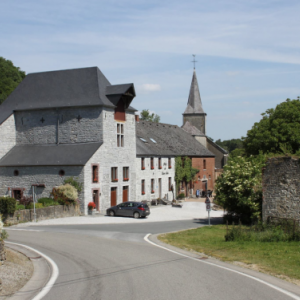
<point>194,61</point>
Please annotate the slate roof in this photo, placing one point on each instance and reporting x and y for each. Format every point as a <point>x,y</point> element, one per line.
<point>64,88</point>
<point>191,129</point>
<point>194,105</point>
<point>50,155</point>
<point>171,140</point>
<point>217,146</point>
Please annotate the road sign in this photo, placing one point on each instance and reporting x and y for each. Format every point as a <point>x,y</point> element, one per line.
<point>208,207</point>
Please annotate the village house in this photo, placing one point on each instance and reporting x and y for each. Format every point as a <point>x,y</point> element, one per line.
<point>67,123</point>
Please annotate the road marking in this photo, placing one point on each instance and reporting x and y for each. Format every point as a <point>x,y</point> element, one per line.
<point>225,268</point>
<point>23,229</point>
<point>45,290</point>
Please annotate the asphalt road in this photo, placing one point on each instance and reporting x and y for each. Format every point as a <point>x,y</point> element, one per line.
<point>114,262</point>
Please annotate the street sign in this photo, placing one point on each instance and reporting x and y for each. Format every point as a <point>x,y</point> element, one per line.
<point>208,207</point>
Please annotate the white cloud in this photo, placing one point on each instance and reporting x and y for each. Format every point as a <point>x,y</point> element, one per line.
<point>149,87</point>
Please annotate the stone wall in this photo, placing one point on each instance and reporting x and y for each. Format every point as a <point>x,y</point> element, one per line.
<point>28,176</point>
<point>7,135</point>
<point>281,188</point>
<point>197,120</point>
<point>45,213</point>
<point>66,125</point>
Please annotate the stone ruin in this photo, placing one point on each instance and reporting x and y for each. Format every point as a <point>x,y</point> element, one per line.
<point>281,188</point>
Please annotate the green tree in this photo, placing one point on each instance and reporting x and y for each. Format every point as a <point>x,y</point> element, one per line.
<point>146,116</point>
<point>239,188</point>
<point>277,132</point>
<point>230,145</point>
<point>10,77</point>
<point>184,170</point>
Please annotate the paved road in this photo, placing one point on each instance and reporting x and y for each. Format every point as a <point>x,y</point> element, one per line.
<point>114,262</point>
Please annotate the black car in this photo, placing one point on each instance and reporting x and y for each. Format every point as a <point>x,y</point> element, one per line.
<point>129,209</point>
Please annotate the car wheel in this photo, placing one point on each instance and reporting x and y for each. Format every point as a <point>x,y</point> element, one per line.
<point>111,213</point>
<point>136,215</point>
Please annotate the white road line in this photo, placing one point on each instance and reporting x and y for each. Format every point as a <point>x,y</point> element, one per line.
<point>45,290</point>
<point>228,269</point>
<point>23,229</point>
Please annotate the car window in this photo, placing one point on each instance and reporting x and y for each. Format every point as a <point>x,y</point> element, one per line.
<point>122,205</point>
<point>131,204</point>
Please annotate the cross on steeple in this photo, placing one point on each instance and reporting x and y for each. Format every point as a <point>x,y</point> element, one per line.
<point>194,61</point>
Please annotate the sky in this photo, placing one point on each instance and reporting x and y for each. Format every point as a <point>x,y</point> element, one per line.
<point>247,51</point>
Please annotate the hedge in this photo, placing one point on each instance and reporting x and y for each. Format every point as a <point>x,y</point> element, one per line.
<point>7,205</point>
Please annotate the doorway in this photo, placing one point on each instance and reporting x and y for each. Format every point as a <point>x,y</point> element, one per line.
<point>125,193</point>
<point>17,194</point>
<point>113,196</point>
<point>159,188</point>
<point>96,199</point>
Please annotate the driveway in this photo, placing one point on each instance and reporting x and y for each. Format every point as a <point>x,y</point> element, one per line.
<point>189,211</point>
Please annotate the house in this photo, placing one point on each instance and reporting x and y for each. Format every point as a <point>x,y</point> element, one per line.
<point>75,123</point>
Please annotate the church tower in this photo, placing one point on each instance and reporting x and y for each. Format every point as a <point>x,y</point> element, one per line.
<point>194,113</point>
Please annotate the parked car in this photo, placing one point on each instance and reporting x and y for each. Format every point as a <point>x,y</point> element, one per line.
<point>129,209</point>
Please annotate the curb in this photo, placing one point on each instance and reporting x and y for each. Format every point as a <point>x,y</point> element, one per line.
<point>41,277</point>
<point>285,287</point>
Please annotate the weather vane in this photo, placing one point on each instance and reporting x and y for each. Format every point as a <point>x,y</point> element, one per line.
<point>194,61</point>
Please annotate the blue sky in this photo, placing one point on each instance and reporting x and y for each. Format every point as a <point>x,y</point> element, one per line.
<point>248,51</point>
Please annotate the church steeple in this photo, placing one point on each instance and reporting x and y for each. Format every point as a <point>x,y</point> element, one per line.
<point>194,112</point>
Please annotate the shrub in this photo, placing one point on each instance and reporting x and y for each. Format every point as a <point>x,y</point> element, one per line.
<point>181,196</point>
<point>26,201</point>
<point>20,206</point>
<point>65,194</point>
<point>47,202</point>
<point>37,205</point>
<point>7,205</point>
<point>77,185</point>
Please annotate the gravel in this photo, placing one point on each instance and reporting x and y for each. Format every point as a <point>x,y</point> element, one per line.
<point>189,211</point>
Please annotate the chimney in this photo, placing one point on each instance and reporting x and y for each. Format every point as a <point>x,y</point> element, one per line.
<point>137,118</point>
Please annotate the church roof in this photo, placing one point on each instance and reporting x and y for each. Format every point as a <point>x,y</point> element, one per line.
<point>50,155</point>
<point>63,88</point>
<point>165,139</point>
<point>188,127</point>
<point>194,105</point>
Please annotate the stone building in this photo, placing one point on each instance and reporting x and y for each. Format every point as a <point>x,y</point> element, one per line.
<point>281,188</point>
<point>76,123</point>
<point>194,122</point>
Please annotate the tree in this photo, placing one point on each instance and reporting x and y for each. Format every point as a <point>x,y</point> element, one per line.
<point>10,77</point>
<point>239,188</point>
<point>146,116</point>
<point>230,145</point>
<point>277,132</point>
<point>184,170</point>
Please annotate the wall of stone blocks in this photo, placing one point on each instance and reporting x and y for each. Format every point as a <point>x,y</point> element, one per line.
<point>48,126</point>
<point>155,174</point>
<point>108,156</point>
<point>281,188</point>
<point>28,176</point>
<point>7,135</point>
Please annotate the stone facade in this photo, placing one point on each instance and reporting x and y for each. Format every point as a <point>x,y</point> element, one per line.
<point>8,135</point>
<point>281,188</point>
<point>197,120</point>
<point>160,176</point>
<point>63,126</point>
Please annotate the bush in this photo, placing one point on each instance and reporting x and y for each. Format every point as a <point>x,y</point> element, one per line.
<point>47,202</point>
<point>65,194</point>
<point>77,185</point>
<point>26,201</point>
<point>7,205</point>
<point>181,196</point>
<point>20,206</point>
<point>37,205</point>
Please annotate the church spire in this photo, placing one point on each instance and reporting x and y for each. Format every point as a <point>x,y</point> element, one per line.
<point>194,105</point>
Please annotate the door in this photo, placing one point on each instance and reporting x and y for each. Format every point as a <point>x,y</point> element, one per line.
<point>204,187</point>
<point>96,199</point>
<point>17,194</point>
<point>113,196</point>
<point>159,188</point>
<point>125,193</point>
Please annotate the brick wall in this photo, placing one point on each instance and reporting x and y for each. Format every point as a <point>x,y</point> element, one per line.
<point>281,188</point>
<point>7,135</point>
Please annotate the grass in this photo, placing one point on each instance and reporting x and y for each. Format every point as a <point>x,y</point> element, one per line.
<point>276,258</point>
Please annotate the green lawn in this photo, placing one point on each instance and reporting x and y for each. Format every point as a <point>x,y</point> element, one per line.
<point>276,258</point>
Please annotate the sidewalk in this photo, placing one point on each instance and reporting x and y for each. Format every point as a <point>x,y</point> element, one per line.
<point>190,210</point>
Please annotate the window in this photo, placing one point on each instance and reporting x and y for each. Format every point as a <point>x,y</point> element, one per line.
<point>125,173</point>
<point>204,164</point>
<point>61,173</point>
<point>114,174</point>
<point>152,186</point>
<point>16,173</point>
<point>143,163</point>
<point>120,135</point>
<point>95,176</point>
<point>159,163</point>
<point>169,163</point>
<point>143,187</point>
<point>152,163</point>
<point>170,184</point>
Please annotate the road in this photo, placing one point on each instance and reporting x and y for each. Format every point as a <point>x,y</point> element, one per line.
<point>115,262</point>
